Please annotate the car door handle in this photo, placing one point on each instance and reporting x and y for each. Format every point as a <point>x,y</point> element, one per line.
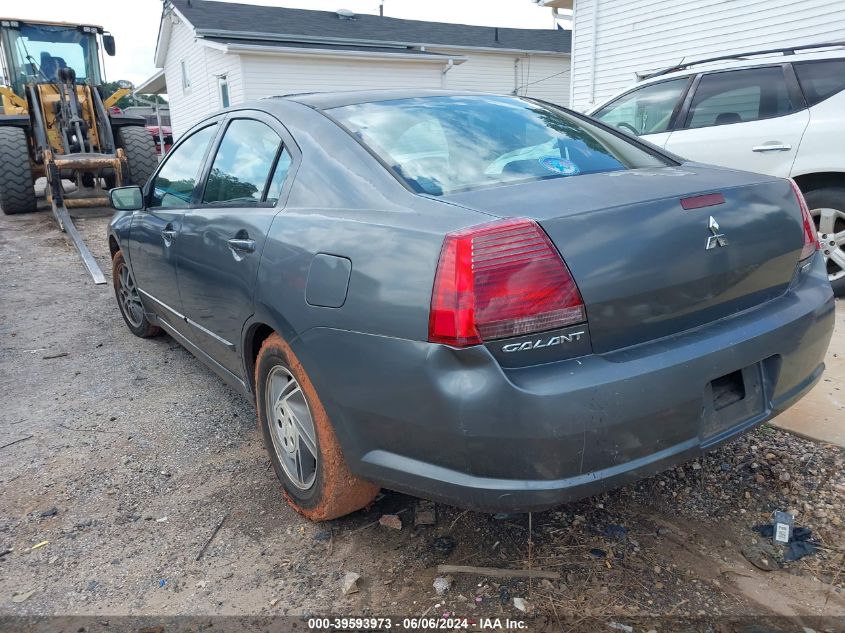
<point>244,245</point>
<point>773,147</point>
<point>168,234</point>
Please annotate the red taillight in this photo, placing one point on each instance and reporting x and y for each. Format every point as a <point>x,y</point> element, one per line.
<point>811,236</point>
<point>500,279</point>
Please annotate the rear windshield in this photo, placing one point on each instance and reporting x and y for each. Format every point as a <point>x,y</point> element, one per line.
<point>441,145</point>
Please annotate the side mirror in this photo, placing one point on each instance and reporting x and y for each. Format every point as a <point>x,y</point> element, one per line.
<point>126,198</point>
<point>108,44</point>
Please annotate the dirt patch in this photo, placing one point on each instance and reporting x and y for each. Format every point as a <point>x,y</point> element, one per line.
<point>141,452</point>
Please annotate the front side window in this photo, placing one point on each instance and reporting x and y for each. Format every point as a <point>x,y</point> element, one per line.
<point>440,145</point>
<point>174,184</point>
<point>647,110</point>
<point>821,80</point>
<point>242,164</point>
<point>739,96</point>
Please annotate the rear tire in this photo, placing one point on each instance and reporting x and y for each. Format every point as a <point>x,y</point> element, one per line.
<point>128,299</point>
<point>821,201</point>
<point>140,153</point>
<point>17,191</point>
<point>323,488</point>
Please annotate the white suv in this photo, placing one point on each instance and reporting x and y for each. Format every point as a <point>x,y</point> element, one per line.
<point>776,112</point>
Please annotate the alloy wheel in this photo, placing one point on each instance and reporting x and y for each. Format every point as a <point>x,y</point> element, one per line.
<point>291,428</point>
<point>130,300</point>
<point>830,224</point>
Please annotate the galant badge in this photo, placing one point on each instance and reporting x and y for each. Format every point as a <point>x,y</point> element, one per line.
<point>716,239</point>
<point>540,343</point>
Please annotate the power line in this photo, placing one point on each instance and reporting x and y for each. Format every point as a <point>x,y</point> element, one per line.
<point>563,72</point>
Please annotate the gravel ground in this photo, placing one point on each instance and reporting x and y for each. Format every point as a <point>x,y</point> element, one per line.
<point>132,453</point>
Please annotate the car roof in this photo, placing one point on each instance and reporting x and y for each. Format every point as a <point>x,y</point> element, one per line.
<point>328,100</point>
<point>729,64</point>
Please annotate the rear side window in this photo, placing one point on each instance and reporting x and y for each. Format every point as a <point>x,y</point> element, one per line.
<point>242,164</point>
<point>280,175</point>
<point>440,145</point>
<point>820,80</point>
<point>174,184</point>
<point>739,96</point>
<point>647,110</point>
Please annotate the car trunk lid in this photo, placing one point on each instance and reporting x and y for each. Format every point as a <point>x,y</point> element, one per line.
<point>642,262</point>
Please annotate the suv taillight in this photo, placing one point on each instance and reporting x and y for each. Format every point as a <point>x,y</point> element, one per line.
<point>811,236</point>
<point>500,279</point>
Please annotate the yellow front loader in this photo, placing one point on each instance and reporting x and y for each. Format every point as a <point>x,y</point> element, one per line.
<point>57,123</point>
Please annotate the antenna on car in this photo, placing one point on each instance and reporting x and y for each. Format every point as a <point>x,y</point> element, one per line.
<point>345,14</point>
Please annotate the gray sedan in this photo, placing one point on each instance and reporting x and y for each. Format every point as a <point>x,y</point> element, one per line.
<point>484,300</point>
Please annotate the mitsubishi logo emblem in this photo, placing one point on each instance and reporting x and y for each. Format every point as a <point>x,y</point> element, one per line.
<point>716,239</point>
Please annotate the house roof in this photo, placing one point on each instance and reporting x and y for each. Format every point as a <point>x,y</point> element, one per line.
<point>224,19</point>
<point>154,85</point>
<point>235,42</point>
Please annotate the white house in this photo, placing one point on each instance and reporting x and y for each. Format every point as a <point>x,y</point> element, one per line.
<point>213,54</point>
<point>617,41</point>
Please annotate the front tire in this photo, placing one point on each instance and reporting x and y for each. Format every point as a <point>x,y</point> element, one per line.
<point>303,447</point>
<point>17,192</point>
<point>827,206</point>
<point>129,301</point>
<point>140,153</point>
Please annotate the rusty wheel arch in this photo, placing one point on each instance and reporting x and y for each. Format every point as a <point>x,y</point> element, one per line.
<point>255,338</point>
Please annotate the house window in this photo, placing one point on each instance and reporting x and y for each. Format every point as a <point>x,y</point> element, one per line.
<point>186,81</point>
<point>223,90</point>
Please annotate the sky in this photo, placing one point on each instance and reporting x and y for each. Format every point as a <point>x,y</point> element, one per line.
<point>134,24</point>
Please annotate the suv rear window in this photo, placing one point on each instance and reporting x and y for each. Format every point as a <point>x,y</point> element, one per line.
<point>739,96</point>
<point>440,145</point>
<point>820,80</point>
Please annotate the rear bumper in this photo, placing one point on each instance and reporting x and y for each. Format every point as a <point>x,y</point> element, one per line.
<point>454,426</point>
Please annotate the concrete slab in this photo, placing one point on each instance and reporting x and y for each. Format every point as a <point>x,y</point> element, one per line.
<point>820,415</point>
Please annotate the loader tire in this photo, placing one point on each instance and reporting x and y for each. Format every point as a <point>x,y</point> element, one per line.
<point>140,153</point>
<point>17,193</point>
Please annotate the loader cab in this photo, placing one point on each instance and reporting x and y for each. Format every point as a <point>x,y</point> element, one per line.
<point>35,52</point>
<point>57,122</point>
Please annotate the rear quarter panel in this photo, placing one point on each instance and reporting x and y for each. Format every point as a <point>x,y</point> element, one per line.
<point>343,202</point>
<point>821,147</point>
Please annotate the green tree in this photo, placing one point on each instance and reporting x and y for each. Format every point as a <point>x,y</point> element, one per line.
<point>110,87</point>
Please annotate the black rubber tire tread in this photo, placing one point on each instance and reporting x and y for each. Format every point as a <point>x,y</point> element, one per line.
<point>17,190</point>
<point>140,151</point>
<point>830,198</point>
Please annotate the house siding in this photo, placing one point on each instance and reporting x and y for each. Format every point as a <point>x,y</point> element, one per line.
<point>547,75</point>
<point>636,37</point>
<point>204,65</point>
<point>265,75</point>
<point>541,76</point>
